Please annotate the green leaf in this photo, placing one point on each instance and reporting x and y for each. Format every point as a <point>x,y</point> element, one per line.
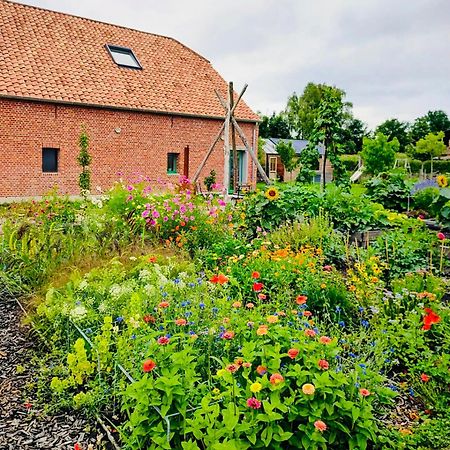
<point>230,417</point>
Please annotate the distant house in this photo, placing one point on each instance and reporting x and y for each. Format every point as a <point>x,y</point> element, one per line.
<point>147,102</point>
<point>275,168</point>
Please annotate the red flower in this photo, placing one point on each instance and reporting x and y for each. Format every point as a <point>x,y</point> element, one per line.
<point>228,335</point>
<point>253,403</point>
<point>163,340</point>
<point>307,313</point>
<point>152,259</point>
<point>309,332</point>
<point>232,368</point>
<point>148,318</point>
<point>292,353</point>
<point>301,299</point>
<point>255,275</point>
<point>441,236</point>
<point>323,364</point>
<point>257,286</point>
<point>324,340</point>
<point>77,446</point>
<point>430,319</point>
<point>164,305</point>
<point>219,279</point>
<point>180,322</point>
<point>149,365</point>
<point>364,392</point>
<point>425,378</point>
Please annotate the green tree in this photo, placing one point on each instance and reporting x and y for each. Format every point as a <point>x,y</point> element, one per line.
<point>438,121</point>
<point>419,129</point>
<point>328,126</point>
<point>431,146</point>
<point>84,160</point>
<point>353,132</point>
<point>287,155</point>
<point>275,126</point>
<point>393,128</point>
<point>378,154</point>
<point>302,110</point>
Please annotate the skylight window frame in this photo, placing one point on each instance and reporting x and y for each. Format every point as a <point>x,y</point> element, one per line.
<point>119,49</point>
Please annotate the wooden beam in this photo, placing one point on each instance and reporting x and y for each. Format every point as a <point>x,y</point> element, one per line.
<point>233,144</point>
<point>211,148</point>
<point>226,150</point>
<point>246,144</point>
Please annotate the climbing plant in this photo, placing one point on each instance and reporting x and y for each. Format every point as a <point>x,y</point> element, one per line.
<point>84,160</point>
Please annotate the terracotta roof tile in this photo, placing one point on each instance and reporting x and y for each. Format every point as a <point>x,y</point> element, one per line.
<point>48,55</point>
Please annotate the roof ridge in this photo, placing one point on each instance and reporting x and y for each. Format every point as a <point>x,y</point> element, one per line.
<point>24,5</point>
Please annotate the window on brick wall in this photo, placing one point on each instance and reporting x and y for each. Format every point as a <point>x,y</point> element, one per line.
<point>50,160</point>
<point>172,162</point>
<point>123,57</point>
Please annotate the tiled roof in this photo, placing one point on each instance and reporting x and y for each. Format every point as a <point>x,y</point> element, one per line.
<point>52,56</point>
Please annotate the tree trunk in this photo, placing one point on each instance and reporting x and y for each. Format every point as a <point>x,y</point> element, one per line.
<point>324,162</point>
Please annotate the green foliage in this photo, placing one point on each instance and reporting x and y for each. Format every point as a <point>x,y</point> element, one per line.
<point>419,129</point>
<point>395,129</point>
<point>379,153</point>
<point>352,135</point>
<point>210,179</point>
<point>390,189</point>
<point>302,110</point>
<point>287,155</point>
<point>84,160</point>
<point>275,126</point>
<point>430,146</point>
<point>350,162</point>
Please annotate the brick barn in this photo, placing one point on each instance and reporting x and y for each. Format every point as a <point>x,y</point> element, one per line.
<point>146,101</point>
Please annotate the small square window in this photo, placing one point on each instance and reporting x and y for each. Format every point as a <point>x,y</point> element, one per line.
<point>50,160</point>
<point>172,161</point>
<point>123,57</point>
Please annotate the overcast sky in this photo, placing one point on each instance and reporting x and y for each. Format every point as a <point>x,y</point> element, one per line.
<point>392,57</point>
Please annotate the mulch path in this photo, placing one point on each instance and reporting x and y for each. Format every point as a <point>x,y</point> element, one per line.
<point>23,425</point>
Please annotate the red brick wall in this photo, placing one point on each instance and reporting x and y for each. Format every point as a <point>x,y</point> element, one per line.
<point>141,147</point>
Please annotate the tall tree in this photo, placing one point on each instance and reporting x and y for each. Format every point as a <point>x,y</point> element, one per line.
<point>431,146</point>
<point>302,110</point>
<point>419,129</point>
<point>438,121</point>
<point>393,128</point>
<point>275,126</point>
<point>353,132</point>
<point>327,130</point>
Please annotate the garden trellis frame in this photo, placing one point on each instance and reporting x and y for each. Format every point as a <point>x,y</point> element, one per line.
<point>231,124</point>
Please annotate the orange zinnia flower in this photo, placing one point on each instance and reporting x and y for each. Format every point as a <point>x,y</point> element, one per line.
<point>364,392</point>
<point>320,426</point>
<point>164,305</point>
<point>255,275</point>
<point>324,340</point>
<point>261,370</point>
<point>425,378</point>
<point>149,365</point>
<point>292,353</point>
<point>301,299</point>
<point>276,378</point>
<point>181,322</point>
<point>262,330</point>
<point>430,319</point>
<point>308,389</point>
<point>323,364</point>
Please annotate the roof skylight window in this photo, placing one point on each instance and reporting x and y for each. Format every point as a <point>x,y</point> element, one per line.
<point>123,57</point>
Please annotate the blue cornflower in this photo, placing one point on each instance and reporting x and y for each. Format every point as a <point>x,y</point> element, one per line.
<point>191,284</point>
<point>133,336</point>
<point>202,305</point>
<point>168,335</point>
<point>365,323</point>
<point>164,294</point>
<point>176,281</point>
<point>88,331</point>
<point>363,366</point>
<point>338,309</point>
<point>215,310</point>
<point>161,327</point>
<point>119,319</point>
<point>191,332</point>
<point>411,392</point>
<point>222,328</point>
<point>188,314</point>
<point>341,323</point>
<point>352,355</point>
<point>360,309</point>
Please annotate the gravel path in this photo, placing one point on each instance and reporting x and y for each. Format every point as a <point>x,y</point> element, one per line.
<point>22,424</point>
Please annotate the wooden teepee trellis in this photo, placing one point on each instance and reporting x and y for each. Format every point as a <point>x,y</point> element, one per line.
<point>229,128</point>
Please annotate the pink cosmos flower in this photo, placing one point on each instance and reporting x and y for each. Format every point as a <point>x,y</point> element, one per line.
<point>163,340</point>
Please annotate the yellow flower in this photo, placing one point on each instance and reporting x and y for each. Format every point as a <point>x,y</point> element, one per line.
<point>256,387</point>
<point>272,319</point>
<point>442,180</point>
<point>308,389</point>
<point>323,285</point>
<point>272,194</point>
<point>216,391</point>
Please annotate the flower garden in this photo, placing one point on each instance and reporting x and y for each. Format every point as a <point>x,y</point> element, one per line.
<point>293,318</point>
